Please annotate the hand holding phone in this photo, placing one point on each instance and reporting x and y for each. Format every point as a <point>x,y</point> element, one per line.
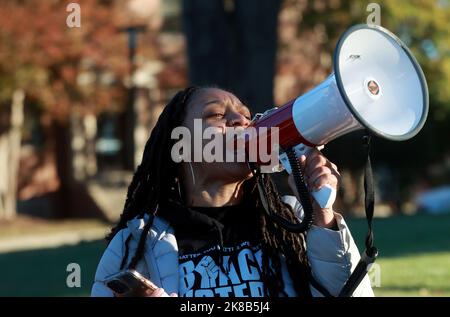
<point>131,283</point>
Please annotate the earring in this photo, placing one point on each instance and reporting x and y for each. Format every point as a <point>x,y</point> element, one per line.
<point>179,188</point>
<point>176,181</point>
<point>192,173</point>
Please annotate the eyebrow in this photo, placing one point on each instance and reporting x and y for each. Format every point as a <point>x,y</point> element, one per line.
<point>218,101</point>
<point>214,101</point>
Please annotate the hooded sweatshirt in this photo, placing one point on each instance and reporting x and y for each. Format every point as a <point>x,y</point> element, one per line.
<point>219,250</point>
<point>331,254</point>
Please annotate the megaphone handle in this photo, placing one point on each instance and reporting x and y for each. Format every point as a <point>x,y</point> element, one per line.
<point>326,195</point>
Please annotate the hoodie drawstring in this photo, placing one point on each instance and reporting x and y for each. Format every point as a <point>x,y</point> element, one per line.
<point>217,226</point>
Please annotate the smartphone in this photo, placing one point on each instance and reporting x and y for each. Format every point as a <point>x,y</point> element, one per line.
<point>130,283</point>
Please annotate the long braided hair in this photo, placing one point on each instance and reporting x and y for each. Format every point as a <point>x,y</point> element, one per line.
<point>153,183</point>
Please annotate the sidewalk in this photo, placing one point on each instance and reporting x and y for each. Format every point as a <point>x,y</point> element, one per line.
<point>27,233</point>
<point>50,240</point>
<point>108,191</point>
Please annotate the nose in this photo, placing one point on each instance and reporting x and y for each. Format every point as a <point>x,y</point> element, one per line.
<point>238,120</point>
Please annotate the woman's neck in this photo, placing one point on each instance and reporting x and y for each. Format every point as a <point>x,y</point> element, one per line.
<point>214,194</point>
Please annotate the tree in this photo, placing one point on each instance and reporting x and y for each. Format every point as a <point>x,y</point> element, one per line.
<point>62,70</point>
<point>232,44</point>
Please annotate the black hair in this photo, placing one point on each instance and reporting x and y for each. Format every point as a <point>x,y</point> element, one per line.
<point>154,181</point>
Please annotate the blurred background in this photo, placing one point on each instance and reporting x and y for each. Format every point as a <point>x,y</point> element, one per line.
<point>77,105</point>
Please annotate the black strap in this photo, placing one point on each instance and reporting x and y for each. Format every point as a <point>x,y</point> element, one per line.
<point>370,254</point>
<point>369,200</point>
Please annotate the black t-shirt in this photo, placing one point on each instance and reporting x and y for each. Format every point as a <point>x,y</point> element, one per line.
<point>219,251</point>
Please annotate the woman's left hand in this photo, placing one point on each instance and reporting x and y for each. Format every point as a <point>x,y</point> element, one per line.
<point>318,171</point>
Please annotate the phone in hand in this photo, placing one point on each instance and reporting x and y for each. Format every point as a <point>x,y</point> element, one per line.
<point>130,283</point>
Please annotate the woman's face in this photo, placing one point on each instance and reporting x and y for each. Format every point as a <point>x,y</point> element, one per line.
<point>219,111</point>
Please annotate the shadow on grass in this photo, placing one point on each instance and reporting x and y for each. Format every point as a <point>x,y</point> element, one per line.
<point>43,272</point>
<point>405,235</point>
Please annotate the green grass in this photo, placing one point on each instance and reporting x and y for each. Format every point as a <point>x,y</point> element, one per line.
<point>414,260</point>
<point>414,257</point>
<point>427,274</point>
<point>43,272</point>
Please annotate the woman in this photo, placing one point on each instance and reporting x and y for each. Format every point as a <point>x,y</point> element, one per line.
<point>200,229</point>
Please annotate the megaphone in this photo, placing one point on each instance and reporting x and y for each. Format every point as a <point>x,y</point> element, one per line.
<point>377,85</point>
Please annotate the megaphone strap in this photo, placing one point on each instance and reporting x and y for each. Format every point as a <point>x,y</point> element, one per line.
<point>369,192</point>
<point>370,254</point>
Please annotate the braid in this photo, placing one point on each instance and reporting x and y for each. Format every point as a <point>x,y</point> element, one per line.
<point>276,241</point>
<point>150,178</point>
<point>141,246</point>
<point>144,189</point>
<point>127,249</point>
<point>127,214</point>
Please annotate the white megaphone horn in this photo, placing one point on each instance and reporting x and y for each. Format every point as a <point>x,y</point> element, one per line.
<point>377,85</point>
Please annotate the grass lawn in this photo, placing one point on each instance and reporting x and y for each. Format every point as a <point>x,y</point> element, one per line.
<point>43,272</point>
<point>414,260</point>
<point>414,254</point>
